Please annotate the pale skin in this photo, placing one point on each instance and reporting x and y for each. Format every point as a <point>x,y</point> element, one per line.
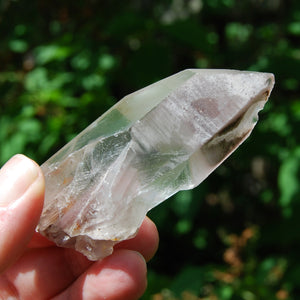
<point>31,267</point>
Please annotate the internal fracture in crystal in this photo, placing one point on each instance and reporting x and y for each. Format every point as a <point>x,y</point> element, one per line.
<point>161,139</point>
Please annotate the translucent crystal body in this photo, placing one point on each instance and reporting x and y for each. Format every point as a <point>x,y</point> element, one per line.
<point>164,138</point>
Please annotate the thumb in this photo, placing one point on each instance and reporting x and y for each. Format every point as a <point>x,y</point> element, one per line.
<point>21,201</point>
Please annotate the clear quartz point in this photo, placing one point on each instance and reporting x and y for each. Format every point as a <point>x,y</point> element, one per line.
<point>161,139</point>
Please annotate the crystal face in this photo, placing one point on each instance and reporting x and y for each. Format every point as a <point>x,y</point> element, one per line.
<point>161,139</point>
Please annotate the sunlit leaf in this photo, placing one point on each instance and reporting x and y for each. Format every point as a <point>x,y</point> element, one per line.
<point>48,53</point>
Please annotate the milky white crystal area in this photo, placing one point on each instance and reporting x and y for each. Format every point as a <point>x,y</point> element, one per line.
<point>164,138</point>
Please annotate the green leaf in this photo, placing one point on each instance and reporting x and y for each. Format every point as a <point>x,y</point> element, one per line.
<point>31,129</point>
<point>15,144</point>
<point>81,61</point>
<point>36,79</point>
<point>39,81</point>
<point>49,53</point>
<point>200,239</point>
<point>93,81</point>
<point>20,29</point>
<point>294,28</point>
<point>190,279</point>
<point>106,62</point>
<point>237,32</point>
<point>288,178</point>
<point>183,226</point>
<point>182,202</point>
<point>226,292</point>
<point>18,46</point>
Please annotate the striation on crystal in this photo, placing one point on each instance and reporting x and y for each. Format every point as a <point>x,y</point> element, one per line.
<point>161,139</point>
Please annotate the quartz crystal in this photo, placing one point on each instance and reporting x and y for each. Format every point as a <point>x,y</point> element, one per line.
<point>161,139</point>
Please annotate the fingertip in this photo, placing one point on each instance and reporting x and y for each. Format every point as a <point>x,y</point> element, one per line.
<point>145,242</point>
<point>149,230</point>
<point>130,271</point>
<point>17,177</point>
<point>123,275</point>
<point>28,206</point>
<point>22,188</point>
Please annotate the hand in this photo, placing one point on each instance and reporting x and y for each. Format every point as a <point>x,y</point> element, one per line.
<point>32,267</point>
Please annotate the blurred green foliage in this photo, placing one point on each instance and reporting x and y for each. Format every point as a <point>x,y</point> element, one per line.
<point>63,63</point>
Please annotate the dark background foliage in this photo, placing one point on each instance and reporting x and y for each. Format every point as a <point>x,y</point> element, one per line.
<point>63,63</point>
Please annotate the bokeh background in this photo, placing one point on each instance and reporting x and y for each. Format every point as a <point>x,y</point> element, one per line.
<point>63,63</point>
